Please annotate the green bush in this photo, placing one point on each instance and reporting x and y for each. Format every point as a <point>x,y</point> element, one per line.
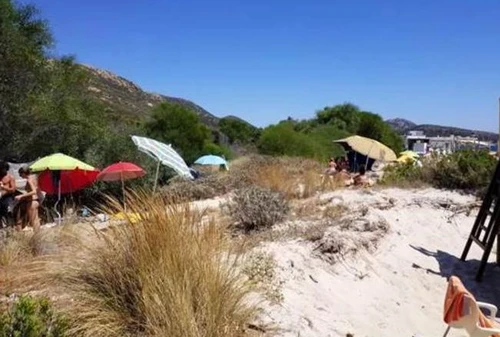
<point>283,140</point>
<point>217,150</point>
<point>404,175</point>
<point>180,126</point>
<point>466,169</point>
<point>324,135</point>
<point>32,317</point>
<point>238,130</point>
<point>463,170</point>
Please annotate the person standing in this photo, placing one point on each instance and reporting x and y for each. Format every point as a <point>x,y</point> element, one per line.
<point>7,191</point>
<point>332,167</point>
<point>28,202</point>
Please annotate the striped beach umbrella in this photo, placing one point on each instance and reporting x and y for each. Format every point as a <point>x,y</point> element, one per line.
<point>164,154</point>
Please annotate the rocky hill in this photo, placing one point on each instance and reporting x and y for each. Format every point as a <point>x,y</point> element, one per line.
<point>128,101</point>
<point>403,126</point>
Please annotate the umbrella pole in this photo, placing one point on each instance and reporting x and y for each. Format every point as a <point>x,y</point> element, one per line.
<point>156,177</point>
<point>367,156</point>
<point>123,193</point>
<point>59,219</point>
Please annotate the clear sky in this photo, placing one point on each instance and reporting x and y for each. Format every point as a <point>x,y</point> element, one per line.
<point>430,61</point>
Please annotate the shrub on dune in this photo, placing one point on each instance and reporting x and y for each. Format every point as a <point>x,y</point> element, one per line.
<point>165,272</point>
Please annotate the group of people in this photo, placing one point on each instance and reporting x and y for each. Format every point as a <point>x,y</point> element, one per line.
<point>19,202</point>
<point>340,168</point>
<point>337,166</point>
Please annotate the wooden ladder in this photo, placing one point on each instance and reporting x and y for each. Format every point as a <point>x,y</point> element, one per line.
<point>487,225</point>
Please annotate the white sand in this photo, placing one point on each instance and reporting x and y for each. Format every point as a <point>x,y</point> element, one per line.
<point>398,290</point>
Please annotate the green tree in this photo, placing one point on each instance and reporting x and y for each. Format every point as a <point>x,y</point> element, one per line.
<point>177,125</point>
<point>63,117</point>
<point>344,117</point>
<point>282,139</point>
<point>238,130</point>
<point>370,125</point>
<point>44,107</point>
<point>217,150</point>
<point>392,139</point>
<point>25,40</point>
<point>323,136</point>
<point>350,119</point>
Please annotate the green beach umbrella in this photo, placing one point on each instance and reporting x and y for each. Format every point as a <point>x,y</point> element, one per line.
<point>59,162</point>
<point>59,174</point>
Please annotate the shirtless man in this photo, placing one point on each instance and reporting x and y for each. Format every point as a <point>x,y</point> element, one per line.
<point>7,189</point>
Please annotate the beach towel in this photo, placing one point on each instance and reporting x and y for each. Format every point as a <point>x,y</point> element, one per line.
<point>458,303</point>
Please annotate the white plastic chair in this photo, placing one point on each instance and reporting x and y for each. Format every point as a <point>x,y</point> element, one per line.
<point>470,320</point>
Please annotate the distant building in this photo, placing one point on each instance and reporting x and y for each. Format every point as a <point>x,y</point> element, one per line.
<point>417,141</point>
<point>443,144</point>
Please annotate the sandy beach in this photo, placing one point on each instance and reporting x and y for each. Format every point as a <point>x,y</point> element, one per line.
<point>396,290</point>
<point>398,248</point>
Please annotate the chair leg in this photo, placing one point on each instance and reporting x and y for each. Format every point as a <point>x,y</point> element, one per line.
<point>447,330</point>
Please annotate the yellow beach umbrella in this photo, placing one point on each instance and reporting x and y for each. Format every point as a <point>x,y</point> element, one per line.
<point>409,153</point>
<point>368,147</point>
<point>405,159</point>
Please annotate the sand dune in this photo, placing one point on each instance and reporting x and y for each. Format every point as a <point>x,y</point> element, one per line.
<point>398,290</point>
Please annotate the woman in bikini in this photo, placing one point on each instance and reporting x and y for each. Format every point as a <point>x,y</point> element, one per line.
<point>28,202</point>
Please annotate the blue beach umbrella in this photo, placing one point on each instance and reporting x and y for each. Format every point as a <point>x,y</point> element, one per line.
<point>212,160</point>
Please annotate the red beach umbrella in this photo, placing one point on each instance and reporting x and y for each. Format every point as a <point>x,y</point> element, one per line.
<point>62,182</point>
<point>120,172</point>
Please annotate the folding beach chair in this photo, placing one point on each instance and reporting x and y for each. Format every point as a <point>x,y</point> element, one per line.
<point>462,311</point>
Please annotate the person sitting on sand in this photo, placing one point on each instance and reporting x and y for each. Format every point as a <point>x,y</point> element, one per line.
<point>360,178</point>
<point>28,202</point>
<point>342,165</point>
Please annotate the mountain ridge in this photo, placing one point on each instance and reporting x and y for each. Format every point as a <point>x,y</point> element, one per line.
<point>403,126</point>
<point>125,100</point>
<point>122,96</point>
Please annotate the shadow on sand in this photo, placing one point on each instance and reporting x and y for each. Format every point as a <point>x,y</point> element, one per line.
<point>487,291</point>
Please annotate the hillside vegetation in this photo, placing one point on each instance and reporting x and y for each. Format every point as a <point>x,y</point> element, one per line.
<point>53,105</point>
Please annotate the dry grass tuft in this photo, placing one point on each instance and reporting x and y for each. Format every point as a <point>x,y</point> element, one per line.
<point>165,273</point>
<point>351,236</point>
<point>307,209</point>
<point>274,178</point>
<point>317,209</point>
<point>260,268</point>
<point>256,208</point>
<point>334,211</point>
<point>20,247</point>
<point>296,178</point>
<point>293,177</point>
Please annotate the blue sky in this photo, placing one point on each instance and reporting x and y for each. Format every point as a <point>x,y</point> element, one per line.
<point>264,60</point>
